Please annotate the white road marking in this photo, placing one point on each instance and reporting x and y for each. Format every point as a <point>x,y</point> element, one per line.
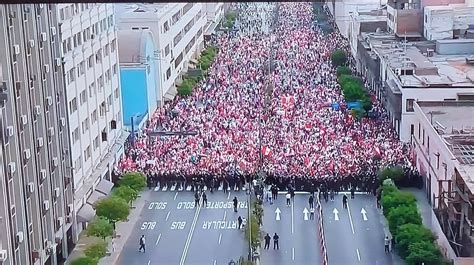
<point>215,262</point>
<point>220,238</point>
<point>336,216</point>
<point>228,196</point>
<point>165,188</point>
<point>293,253</point>
<point>176,195</point>
<point>168,215</point>
<point>292,218</point>
<point>364,214</point>
<point>225,215</point>
<point>277,212</point>
<point>149,262</point>
<point>190,235</point>
<point>350,217</point>
<point>358,254</point>
<point>158,240</point>
<point>173,188</point>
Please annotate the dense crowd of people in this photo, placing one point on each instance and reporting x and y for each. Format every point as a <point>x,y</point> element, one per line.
<point>266,107</point>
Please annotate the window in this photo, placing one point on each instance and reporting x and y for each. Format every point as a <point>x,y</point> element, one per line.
<point>178,60</point>
<point>96,143</point>
<point>176,39</point>
<point>114,69</point>
<point>85,125</point>
<point>175,17</point>
<point>412,129</point>
<point>71,75</point>
<point>98,56</point>
<point>426,18</point>
<point>100,81</point>
<point>75,135</point>
<point>83,97</point>
<point>107,76</point>
<point>90,62</point>
<point>65,46</point>
<point>419,130</point>
<point>78,164</point>
<point>423,139</point>
<point>94,116</point>
<point>167,50</point>
<point>61,13</point>
<point>80,69</point>
<point>72,106</point>
<point>166,27</point>
<point>92,89</point>
<point>168,73</point>
<point>106,50</point>
<point>116,93</point>
<point>87,153</point>
<point>102,109</point>
<point>109,100</point>
<point>199,33</point>
<point>113,45</point>
<point>437,160</point>
<point>409,106</point>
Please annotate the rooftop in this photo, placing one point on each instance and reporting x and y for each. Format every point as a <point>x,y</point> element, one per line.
<point>136,10</point>
<point>454,122</point>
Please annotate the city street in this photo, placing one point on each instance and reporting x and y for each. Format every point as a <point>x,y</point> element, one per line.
<point>354,235</point>
<point>177,232</point>
<point>299,240</point>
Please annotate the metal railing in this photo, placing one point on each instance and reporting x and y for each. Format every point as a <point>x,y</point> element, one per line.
<point>322,238</point>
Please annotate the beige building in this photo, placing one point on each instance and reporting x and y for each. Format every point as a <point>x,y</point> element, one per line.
<point>36,206</point>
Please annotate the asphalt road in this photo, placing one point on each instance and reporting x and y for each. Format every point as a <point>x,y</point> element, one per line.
<point>178,233</point>
<point>299,240</point>
<point>352,238</point>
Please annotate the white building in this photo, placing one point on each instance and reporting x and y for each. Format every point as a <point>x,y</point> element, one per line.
<point>410,75</point>
<point>89,49</point>
<point>214,13</point>
<point>444,22</point>
<point>178,29</point>
<point>444,152</point>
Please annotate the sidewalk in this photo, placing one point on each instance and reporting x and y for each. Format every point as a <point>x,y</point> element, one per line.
<point>124,230</point>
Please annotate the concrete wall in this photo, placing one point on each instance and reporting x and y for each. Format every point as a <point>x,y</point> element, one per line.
<point>458,46</point>
<point>408,21</point>
<point>440,2</point>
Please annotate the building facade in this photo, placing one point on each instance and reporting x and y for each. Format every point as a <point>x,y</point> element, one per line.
<point>88,37</point>
<point>178,30</point>
<point>36,187</point>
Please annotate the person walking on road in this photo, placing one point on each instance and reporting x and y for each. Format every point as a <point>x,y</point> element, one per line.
<point>204,199</point>
<point>332,194</point>
<point>288,199</point>
<point>311,213</point>
<point>275,241</point>
<point>240,221</point>
<point>311,201</point>
<point>387,244</point>
<point>235,203</point>
<point>344,201</point>
<point>142,244</point>
<point>196,199</point>
<point>352,192</point>
<point>267,241</point>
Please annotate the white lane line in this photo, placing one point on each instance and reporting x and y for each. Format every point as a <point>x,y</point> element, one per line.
<point>176,195</point>
<point>158,240</point>
<point>190,235</point>
<point>225,215</point>
<point>168,215</point>
<point>358,254</point>
<point>293,253</point>
<point>220,238</point>
<point>215,262</point>
<point>292,218</point>
<point>149,262</point>
<point>228,196</point>
<point>350,217</point>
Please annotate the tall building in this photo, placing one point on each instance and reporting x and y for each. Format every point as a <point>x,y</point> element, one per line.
<point>89,51</point>
<point>178,31</point>
<point>36,205</point>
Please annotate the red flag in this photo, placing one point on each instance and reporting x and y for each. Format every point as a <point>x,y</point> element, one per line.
<point>266,151</point>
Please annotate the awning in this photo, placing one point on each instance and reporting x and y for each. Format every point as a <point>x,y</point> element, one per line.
<point>85,214</point>
<point>104,186</point>
<point>95,196</point>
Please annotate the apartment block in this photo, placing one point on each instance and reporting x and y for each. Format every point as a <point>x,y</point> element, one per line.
<point>36,188</point>
<point>88,36</point>
<point>178,31</point>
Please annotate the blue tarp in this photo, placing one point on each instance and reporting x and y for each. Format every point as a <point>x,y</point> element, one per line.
<point>335,106</point>
<point>354,105</point>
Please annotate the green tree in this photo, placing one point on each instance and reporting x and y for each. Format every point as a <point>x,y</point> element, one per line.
<point>424,252</point>
<point>401,215</point>
<point>255,233</point>
<point>338,58</point>
<point>96,251</point>
<point>395,199</point>
<point>394,173</point>
<point>85,260</point>
<point>343,70</point>
<point>100,227</point>
<point>113,209</point>
<point>126,193</point>
<point>134,180</point>
<point>411,233</point>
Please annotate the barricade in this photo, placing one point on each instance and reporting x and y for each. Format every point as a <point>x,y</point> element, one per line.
<point>322,239</point>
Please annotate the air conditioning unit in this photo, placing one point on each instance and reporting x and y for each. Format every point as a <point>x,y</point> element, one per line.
<point>3,255</point>
<point>10,130</point>
<point>31,187</point>
<point>12,167</point>
<point>19,237</point>
<point>24,119</point>
<point>32,43</point>
<point>43,36</point>
<point>70,209</point>
<point>46,205</point>
<point>27,154</point>
<point>55,161</point>
<point>37,110</point>
<point>40,141</point>
<point>56,193</point>
<point>53,31</point>
<point>43,174</point>
<point>51,131</point>
<point>58,61</point>
<point>49,101</point>
<point>60,221</point>
<point>63,122</point>
<point>16,49</point>
<point>46,68</point>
